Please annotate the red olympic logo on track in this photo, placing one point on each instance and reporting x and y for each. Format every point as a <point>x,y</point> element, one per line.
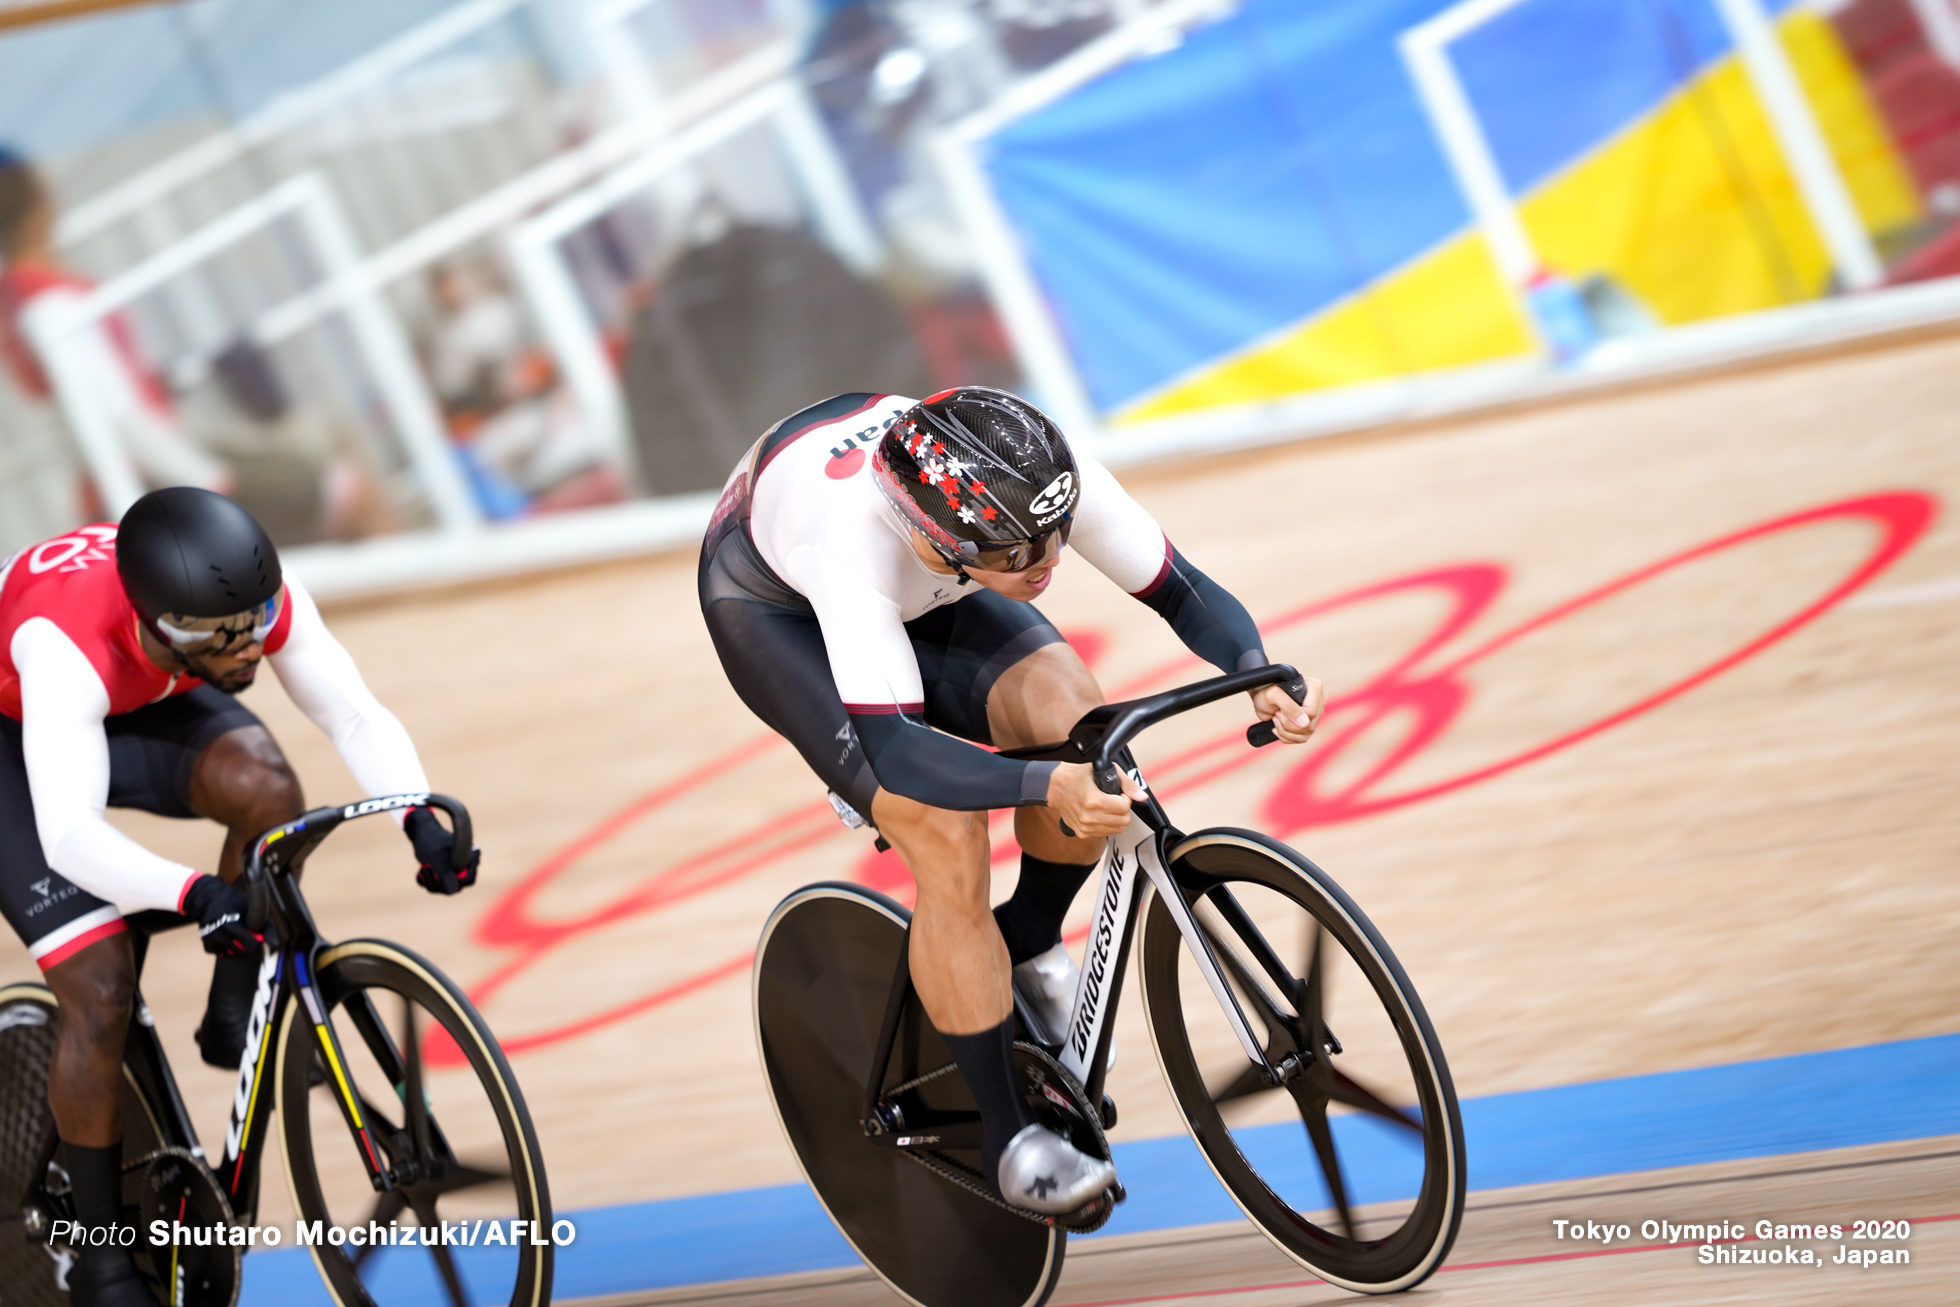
<point>1410,705</point>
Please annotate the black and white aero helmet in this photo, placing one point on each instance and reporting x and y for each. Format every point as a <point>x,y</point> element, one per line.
<point>984,475</point>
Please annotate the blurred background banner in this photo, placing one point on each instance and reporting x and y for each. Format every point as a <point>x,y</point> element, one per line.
<point>444,290</point>
<point>1270,208</point>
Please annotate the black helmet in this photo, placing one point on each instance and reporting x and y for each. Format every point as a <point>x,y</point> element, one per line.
<point>986,476</point>
<point>187,556</point>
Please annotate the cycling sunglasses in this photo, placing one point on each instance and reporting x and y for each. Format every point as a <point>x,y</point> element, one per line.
<point>217,636</point>
<point>1014,555</point>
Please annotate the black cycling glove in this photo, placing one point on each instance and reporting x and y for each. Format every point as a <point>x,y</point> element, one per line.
<point>434,842</point>
<point>220,911</point>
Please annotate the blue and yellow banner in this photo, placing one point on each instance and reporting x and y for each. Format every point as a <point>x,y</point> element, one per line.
<point>1266,209</point>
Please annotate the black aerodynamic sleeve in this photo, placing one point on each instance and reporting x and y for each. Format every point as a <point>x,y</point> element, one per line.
<point>1212,623</point>
<point>910,758</point>
<point>1120,539</point>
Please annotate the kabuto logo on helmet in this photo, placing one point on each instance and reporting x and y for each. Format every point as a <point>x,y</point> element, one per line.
<point>959,467</point>
<point>1056,498</point>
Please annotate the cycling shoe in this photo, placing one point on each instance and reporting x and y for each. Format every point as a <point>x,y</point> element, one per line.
<point>106,1277</point>
<point>221,1035</point>
<point>1046,984</point>
<point>1045,1173</point>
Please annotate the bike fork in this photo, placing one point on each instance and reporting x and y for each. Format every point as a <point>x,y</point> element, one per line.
<point>349,1101</point>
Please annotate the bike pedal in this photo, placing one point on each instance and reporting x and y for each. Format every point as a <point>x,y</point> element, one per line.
<point>1108,1113</point>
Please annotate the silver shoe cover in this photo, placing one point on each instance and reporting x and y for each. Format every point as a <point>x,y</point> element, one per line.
<point>1045,1173</point>
<point>1046,984</point>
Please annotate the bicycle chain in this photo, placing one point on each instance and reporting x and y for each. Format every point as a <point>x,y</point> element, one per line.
<point>916,1081</point>
<point>969,1179</point>
<point>958,1173</point>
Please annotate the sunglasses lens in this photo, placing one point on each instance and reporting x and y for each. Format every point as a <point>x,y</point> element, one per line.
<point>1021,556</point>
<point>220,635</point>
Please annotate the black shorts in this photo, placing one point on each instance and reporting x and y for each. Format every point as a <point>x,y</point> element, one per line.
<point>151,754</point>
<point>772,649</point>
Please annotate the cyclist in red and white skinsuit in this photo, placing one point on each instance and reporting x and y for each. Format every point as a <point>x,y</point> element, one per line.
<point>868,575</point>
<point>104,704</point>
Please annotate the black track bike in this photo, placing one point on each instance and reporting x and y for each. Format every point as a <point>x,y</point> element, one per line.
<point>1292,1041</point>
<point>374,1132</point>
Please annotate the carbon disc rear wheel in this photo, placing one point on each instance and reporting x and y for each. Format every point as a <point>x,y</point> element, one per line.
<point>33,1187</point>
<point>823,975</point>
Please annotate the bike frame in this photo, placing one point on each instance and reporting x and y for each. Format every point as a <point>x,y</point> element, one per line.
<point>1143,850</point>
<point>280,911</point>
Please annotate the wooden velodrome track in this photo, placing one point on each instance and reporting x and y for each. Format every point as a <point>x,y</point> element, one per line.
<point>1642,754</point>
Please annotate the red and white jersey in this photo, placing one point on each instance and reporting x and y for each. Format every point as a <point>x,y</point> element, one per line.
<point>70,658</point>
<point>71,583</point>
<point>820,522</point>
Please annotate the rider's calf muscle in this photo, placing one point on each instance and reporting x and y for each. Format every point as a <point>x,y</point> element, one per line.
<point>96,989</point>
<point>959,964</point>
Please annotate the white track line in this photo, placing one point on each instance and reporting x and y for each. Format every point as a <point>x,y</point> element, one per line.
<point>1929,592</point>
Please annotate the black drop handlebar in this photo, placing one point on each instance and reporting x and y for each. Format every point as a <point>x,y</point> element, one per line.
<point>1103,731</point>
<point>281,847</point>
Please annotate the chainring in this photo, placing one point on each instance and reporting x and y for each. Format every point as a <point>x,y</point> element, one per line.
<point>178,1189</point>
<point>1056,1100</point>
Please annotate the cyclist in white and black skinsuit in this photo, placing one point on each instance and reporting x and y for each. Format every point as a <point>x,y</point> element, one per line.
<point>867,575</point>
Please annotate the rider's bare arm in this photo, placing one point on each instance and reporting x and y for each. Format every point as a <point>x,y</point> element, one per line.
<point>63,704</point>
<point>320,676</point>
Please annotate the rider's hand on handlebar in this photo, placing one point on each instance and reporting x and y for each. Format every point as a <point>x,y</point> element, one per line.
<point>434,845</point>
<point>1089,812</point>
<point>220,912</point>
<point>1292,722</point>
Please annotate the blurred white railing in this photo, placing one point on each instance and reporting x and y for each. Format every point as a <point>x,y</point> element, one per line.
<point>665,133</point>
<point>377,334</point>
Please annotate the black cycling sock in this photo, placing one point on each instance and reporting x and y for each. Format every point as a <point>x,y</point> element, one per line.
<point>103,1274</point>
<point>95,1182</point>
<point>228,1010</point>
<point>1031,919</point>
<point>987,1061</point>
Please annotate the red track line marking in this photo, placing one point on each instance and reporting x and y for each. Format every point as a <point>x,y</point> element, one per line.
<point>1460,1266</point>
<point>667,995</point>
<point>1303,798</point>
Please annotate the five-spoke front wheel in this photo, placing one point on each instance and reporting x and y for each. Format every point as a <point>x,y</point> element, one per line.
<point>1350,1106</point>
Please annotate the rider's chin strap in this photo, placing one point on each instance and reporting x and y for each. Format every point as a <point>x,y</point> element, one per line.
<point>952,561</point>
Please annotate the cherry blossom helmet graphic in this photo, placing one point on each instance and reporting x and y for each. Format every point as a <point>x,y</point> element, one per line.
<point>985,476</point>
